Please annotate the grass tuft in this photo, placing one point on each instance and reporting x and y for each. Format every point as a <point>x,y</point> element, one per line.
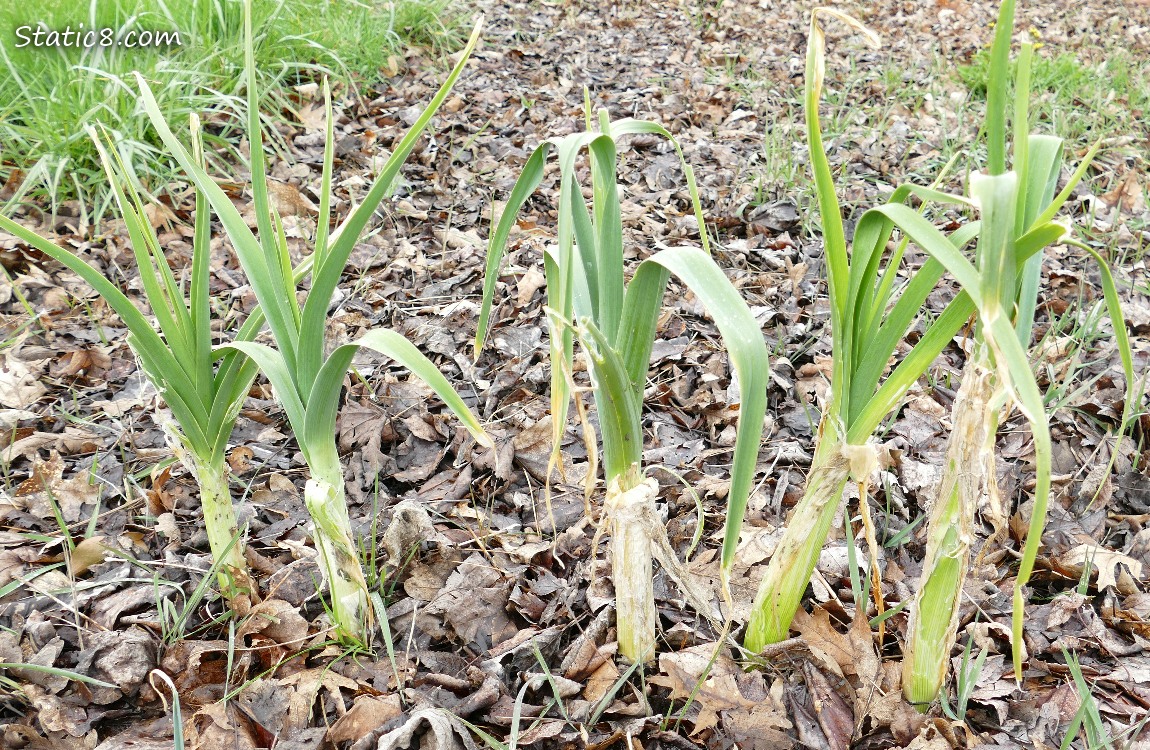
<point>49,95</point>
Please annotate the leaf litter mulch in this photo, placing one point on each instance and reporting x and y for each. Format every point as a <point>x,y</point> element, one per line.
<point>501,621</point>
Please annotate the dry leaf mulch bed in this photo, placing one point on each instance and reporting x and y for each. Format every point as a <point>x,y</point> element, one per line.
<point>500,612</point>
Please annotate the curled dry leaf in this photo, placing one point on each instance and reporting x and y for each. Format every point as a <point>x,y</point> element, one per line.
<point>410,526</point>
<point>20,386</point>
<point>122,658</point>
<point>849,655</point>
<point>444,731</point>
<point>47,490</point>
<point>366,715</point>
<point>277,620</point>
<point>9,418</point>
<point>1128,195</point>
<point>1113,568</point>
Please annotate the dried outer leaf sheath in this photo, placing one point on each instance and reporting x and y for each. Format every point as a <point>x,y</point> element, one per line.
<point>793,561</point>
<point>934,613</point>
<point>631,512</point>
<point>324,497</point>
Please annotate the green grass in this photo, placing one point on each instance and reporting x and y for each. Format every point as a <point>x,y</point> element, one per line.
<point>1083,95</point>
<point>1082,100</point>
<point>47,95</point>
<point>363,34</point>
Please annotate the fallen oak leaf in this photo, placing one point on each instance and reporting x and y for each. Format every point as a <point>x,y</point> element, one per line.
<point>1127,196</point>
<point>716,684</point>
<point>821,637</point>
<point>1115,570</point>
<point>275,619</point>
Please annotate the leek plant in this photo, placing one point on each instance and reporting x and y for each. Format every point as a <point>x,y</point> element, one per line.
<point>866,331</point>
<point>1012,203</point>
<point>615,322</point>
<point>868,320</point>
<point>308,380</point>
<point>204,390</point>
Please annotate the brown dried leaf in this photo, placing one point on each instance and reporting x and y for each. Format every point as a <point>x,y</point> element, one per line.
<point>12,563</point>
<point>1114,569</point>
<point>89,362</point>
<point>277,620</point>
<point>822,637</point>
<point>219,726</point>
<point>529,283</point>
<point>720,687</point>
<point>473,603</point>
<point>833,714</point>
<point>367,714</point>
<point>601,681</point>
<point>288,200</point>
<point>87,553</point>
<point>444,732</point>
<point>47,488</point>
<point>1127,196</point>
<point>410,526</point>
<point>313,116</point>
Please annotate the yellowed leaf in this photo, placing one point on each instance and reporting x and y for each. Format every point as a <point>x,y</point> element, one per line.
<point>88,553</point>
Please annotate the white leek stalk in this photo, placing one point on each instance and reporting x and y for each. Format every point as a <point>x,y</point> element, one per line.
<point>630,514</point>
<point>224,537</point>
<point>307,378</point>
<point>616,321</point>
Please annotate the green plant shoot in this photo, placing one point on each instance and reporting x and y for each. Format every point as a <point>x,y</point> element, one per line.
<point>307,380</point>
<point>203,389</point>
<point>589,298</point>
<point>868,321</point>
<point>1013,205</point>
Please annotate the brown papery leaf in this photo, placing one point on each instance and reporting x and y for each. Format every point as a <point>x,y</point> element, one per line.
<point>367,714</point>
<point>1114,569</point>
<point>20,386</point>
<point>87,553</point>
<point>722,688</point>
<point>1128,195</point>
<point>276,619</point>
